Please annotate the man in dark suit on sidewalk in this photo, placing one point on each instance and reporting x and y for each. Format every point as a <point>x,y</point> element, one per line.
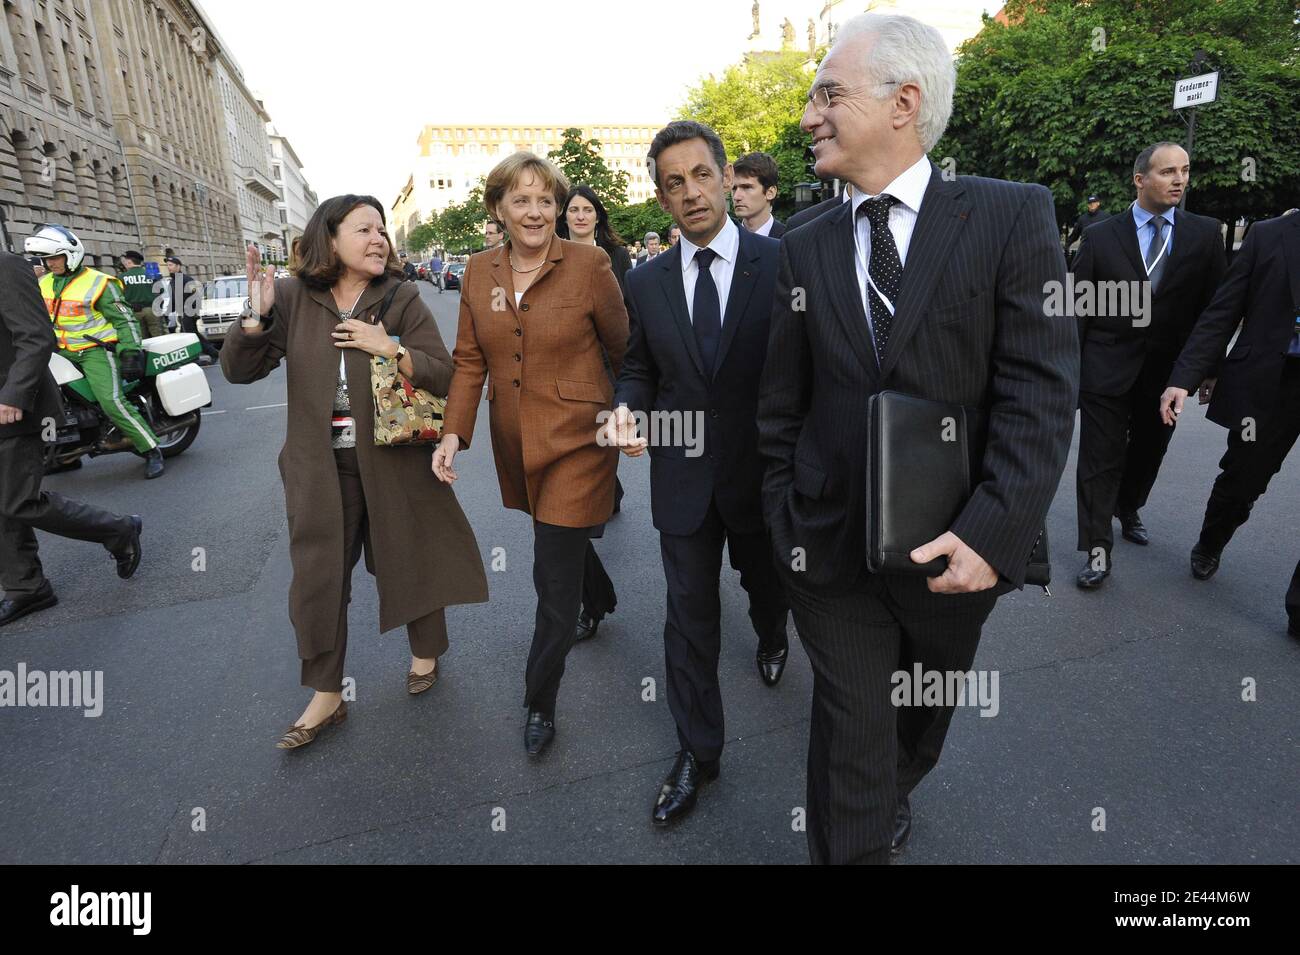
<point>698,318</point>
<point>1257,392</point>
<point>29,405</point>
<point>754,183</point>
<point>1091,217</point>
<point>1127,357</point>
<point>817,211</point>
<point>934,288</point>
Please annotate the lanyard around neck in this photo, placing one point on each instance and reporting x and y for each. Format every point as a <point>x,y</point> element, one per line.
<point>1168,233</point>
<point>343,351</point>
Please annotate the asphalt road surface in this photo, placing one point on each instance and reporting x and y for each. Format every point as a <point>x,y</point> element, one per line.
<point>1127,701</point>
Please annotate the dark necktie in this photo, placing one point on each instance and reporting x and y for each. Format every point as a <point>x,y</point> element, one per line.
<point>706,312</point>
<point>1156,267</point>
<point>885,269</point>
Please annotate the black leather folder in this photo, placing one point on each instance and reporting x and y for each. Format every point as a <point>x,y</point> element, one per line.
<point>918,481</point>
<point>918,478</point>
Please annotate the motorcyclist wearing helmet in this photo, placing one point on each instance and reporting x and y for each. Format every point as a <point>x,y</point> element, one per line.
<point>89,312</point>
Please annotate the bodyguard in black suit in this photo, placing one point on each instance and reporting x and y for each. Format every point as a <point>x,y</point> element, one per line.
<point>698,318</point>
<point>1094,215</point>
<point>754,185</point>
<point>1127,357</point>
<point>29,400</point>
<point>815,212</point>
<point>934,288</point>
<point>1257,392</point>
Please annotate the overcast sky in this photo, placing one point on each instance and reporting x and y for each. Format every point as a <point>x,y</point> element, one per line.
<point>351,84</point>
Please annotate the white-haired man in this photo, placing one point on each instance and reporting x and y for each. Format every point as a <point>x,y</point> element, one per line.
<point>651,248</point>
<point>935,288</point>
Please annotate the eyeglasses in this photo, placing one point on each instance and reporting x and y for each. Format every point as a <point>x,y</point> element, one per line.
<point>823,97</point>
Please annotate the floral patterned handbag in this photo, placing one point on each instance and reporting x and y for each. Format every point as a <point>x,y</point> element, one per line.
<point>404,414</point>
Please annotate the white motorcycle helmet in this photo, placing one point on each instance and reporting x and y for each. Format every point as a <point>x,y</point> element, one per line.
<point>56,240</point>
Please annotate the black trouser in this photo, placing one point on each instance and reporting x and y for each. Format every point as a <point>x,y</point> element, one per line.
<point>190,323</point>
<point>693,625</point>
<point>427,635</point>
<point>864,753</point>
<point>25,508</point>
<point>567,574</point>
<point>1122,441</point>
<point>1247,466</point>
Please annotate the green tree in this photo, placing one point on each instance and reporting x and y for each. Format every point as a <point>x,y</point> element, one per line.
<point>1070,93</point>
<point>423,237</point>
<point>581,161</point>
<point>634,221</point>
<point>457,228</point>
<point>756,107</point>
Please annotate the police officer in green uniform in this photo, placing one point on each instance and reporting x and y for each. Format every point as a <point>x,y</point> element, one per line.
<point>89,313</point>
<point>138,287</point>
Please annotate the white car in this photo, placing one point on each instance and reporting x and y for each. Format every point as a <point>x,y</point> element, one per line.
<point>223,301</point>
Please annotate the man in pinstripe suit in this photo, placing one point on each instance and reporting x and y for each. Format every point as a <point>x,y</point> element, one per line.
<point>935,288</point>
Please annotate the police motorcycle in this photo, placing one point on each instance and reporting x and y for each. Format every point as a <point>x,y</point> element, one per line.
<point>169,396</point>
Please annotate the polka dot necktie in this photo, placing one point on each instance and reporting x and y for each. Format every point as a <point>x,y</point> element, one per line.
<point>885,269</point>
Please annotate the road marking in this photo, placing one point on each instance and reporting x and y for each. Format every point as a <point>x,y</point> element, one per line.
<point>206,413</point>
<point>261,407</point>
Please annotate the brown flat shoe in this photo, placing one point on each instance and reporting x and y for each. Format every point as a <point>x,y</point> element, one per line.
<point>298,735</point>
<point>419,682</point>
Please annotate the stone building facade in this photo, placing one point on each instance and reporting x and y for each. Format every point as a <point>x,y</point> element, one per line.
<point>112,123</point>
<point>297,199</point>
<point>248,153</point>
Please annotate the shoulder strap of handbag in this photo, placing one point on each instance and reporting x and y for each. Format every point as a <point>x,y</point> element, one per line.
<point>388,300</point>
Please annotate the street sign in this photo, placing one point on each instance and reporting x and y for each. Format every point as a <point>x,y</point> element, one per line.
<point>1196,90</point>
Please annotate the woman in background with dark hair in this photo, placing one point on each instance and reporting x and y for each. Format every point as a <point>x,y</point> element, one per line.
<point>342,491</point>
<point>585,220</point>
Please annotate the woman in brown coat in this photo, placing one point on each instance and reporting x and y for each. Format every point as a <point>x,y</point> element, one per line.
<point>342,492</point>
<point>535,315</point>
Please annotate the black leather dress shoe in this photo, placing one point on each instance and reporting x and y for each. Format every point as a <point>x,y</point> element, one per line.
<point>153,465</point>
<point>1090,578</point>
<point>681,787</point>
<point>771,664</point>
<point>538,732</point>
<point>1132,528</point>
<point>128,557</point>
<point>586,628</point>
<point>15,607</point>
<point>1204,563</point>
<point>902,826</point>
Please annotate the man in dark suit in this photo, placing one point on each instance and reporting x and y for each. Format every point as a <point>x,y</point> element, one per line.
<point>29,405</point>
<point>1257,393</point>
<point>754,182</point>
<point>818,210</point>
<point>934,288</point>
<point>651,249</point>
<point>1092,216</point>
<point>698,320</point>
<point>1168,263</point>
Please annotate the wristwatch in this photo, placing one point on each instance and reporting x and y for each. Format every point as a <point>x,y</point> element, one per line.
<point>401,353</point>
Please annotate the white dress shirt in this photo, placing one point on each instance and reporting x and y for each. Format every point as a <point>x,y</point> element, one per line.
<point>727,244</point>
<point>766,227</point>
<point>909,189</point>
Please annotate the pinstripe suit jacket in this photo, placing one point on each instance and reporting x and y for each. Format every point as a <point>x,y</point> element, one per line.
<point>970,327</point>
